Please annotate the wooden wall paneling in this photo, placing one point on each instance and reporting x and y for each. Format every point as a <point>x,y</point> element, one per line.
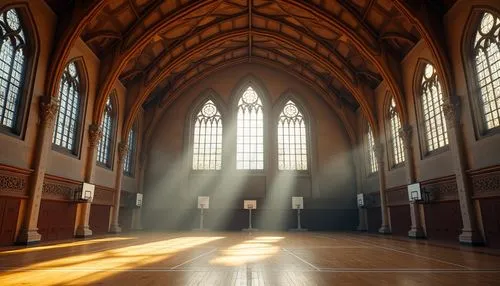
<point>99,219</point>
<point>125,218</point>
<point>400,220</point>
<point>9,213</point>
<point>443,220</point>
<point>374,219</point>
<point>490,213</point>
<point>56,220</point>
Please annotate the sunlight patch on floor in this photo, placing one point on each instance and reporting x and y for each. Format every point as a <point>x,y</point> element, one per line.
<point>63,245</point>
<point>93,267</point>
<point>253,250</point>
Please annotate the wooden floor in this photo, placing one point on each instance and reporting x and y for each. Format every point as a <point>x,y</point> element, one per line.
<point>245,259</point>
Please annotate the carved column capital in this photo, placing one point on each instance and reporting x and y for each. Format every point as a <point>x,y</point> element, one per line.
<point>122,151</point>
<point>95,134</point>
<point>405,133</point>
<point>451,110</point>
<point>378,149</point>
<point>48,110</point>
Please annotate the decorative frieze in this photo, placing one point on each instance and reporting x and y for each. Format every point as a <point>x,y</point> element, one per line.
<point>397,196</point>
<point>486,183</point>
<point>58,191</point>
<point>12,184</point>
<point>444,190</point>
<point>103,196</point>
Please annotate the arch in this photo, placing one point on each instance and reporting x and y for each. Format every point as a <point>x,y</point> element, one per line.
<point>428,95</point>
<point>106,146</point>
<point>358,91</point>
<point>26,37</point>
<point>63,139</point>
<point>486,120</point>
<point>371,163</point>
<point>251,109</point>
<point>294,150</point>
<point>162,106</point>
<point>392,124</point>
<point>129,161</point>
<point>206,118</point>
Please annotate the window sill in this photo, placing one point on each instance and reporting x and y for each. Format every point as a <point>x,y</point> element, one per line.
<point>64,151</point>
<point>436,152</point>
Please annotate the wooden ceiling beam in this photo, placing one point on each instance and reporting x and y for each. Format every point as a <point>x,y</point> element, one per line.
<point>357,90</point>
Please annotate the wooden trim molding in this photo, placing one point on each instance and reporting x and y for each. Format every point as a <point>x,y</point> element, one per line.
<point>14,181</point>
<point>103,196</point>
<point>485,182</point>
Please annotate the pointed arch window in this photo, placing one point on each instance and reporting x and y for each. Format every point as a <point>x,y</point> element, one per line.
<point>207,138</point>
<point>67,123</point>
<point>250,132</point>
<point>398,155</point>
<point>372,159</point>
<point>12,68</point>
<point>105,147</point>
<point>292,139</point>
<point>128,163</point>
<point>431,100</point>
<point>486,54</point>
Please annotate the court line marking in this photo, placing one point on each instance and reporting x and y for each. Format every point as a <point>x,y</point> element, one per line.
<point>211,269</point>
<point>301,259</point>
<point>195,258</point>
<point>404,252</point>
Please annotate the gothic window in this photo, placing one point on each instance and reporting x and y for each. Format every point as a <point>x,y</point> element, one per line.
<point>487,67</point>
<point>250,132</point>
<point>12,68</point>
<point>207,138</point>
<point>431,100</point>
<point>292,139</point>
<point>398,155</point>
<point>128,163</point>
<point>105,147</point>
<point>372,160</point>
<point>67,122</point>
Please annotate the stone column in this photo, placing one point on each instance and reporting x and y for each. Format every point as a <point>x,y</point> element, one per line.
<point>379,153</point>
<point>452,111</point>
<point>416,230</point>
<point>29,231</point>
<point>95,134</point>
<point>122,151</point>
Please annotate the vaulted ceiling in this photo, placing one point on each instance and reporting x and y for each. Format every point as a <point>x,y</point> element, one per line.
<point>324,42</point>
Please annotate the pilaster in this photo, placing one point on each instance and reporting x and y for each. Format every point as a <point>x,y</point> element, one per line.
<point>416,230</point>
<point>378,148</point>
<point>29,231</point>
<point>122,151</point>
<point>83,228</point>
<point>452,112</point>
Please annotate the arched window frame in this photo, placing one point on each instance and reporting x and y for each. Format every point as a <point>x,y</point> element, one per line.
<point>31,51</point>
<point>371,162</point>
<point>108,138</point>
<point>301,108</point>
<point>251,81</point>
<point>468,54</point>
<point>80,118</point>
<point>395,147</point>
<point>130,157</point>
<point>206,96</point>
<point>424,114</point>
